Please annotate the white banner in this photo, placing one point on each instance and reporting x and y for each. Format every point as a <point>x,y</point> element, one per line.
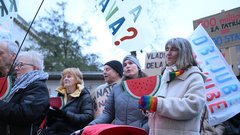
<point>222,86</point>
<point>128,23</point>
<point>8,11</point>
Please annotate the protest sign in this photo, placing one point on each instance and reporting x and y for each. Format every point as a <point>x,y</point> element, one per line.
<point>222,86</point>
<point>128,23</point>
<point>99,97</point>
<point>154,63</point>
<point>8,11</point>
<point>224,29</point>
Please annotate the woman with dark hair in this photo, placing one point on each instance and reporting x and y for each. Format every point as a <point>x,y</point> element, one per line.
<point>177,107</point>
<point>122,109</point>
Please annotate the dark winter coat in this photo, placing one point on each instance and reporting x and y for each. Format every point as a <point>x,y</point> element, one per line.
<point>232,125</point>
<point>76,114</point>
<point>23,114</point>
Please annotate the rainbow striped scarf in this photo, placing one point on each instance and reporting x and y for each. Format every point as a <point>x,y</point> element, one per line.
<point>175,74</point>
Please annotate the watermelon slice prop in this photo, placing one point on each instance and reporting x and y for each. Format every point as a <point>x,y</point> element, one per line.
<point>139,87</point>
<point>57,102</point>
<point>5,86</point>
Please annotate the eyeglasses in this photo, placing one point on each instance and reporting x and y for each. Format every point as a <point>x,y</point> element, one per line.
<point>21,64</point>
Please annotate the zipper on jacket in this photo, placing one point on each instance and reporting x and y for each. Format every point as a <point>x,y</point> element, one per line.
<point>127,111</point>
<point>31,131</point>
<point>8,129</point>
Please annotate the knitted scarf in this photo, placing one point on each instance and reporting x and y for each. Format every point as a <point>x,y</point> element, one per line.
<point>23,81</point>
<point>76,93</point>
<point>170,73</point>
<point>174,74</point>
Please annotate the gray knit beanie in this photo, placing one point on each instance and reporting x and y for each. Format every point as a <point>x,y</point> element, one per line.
<point>133,59</point>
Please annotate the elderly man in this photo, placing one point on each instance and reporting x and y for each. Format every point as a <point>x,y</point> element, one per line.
<point>8,51</point>
<point>26,105</point>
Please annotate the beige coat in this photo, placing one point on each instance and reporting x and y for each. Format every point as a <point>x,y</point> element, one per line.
<point>179,111</point>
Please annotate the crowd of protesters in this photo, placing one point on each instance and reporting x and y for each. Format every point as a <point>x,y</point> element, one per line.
<point>177,109</point>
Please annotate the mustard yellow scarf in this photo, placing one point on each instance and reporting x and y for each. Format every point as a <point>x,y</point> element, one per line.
<point>76,93</point>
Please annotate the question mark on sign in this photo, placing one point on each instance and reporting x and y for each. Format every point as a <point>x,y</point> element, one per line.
<point>131,29</point>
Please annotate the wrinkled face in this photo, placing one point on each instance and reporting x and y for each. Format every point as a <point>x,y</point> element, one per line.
<point>6,59</point>
<point>171,55</point>
<point>69,80</point>
<point>130,69</point>
<point>23,66</point>
<point>110,75</point>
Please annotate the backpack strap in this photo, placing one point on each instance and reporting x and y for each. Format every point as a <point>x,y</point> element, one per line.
<point>202,119</point>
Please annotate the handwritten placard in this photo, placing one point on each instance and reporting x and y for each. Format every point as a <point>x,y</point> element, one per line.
<point>222,86</point>
<point>8,10</point>
<point>99,97</point>
<point>128,23</point>
<point>223,27</point>
<point>154,63</point>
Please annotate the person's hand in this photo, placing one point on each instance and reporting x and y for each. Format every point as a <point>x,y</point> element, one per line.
<point>148,103</point>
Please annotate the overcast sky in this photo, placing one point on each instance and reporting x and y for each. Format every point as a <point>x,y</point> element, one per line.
<point>176,20</point>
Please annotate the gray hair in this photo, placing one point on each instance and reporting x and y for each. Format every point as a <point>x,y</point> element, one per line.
<point>34,58</point>
<point>12,47</point>
<point>6,38</point>
<point>186,58</point>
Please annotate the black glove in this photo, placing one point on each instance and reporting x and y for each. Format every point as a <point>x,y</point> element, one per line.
<point>58,112</point>
<point>51,112</point>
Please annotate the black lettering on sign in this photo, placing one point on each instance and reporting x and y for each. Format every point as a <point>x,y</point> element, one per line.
<point>104,91</point>
<point>13,5</point>
<point>158,55</point>
<point>152,65</point>
<point>3,8</point>
<point>6,10</point>
<point>214,29</point>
